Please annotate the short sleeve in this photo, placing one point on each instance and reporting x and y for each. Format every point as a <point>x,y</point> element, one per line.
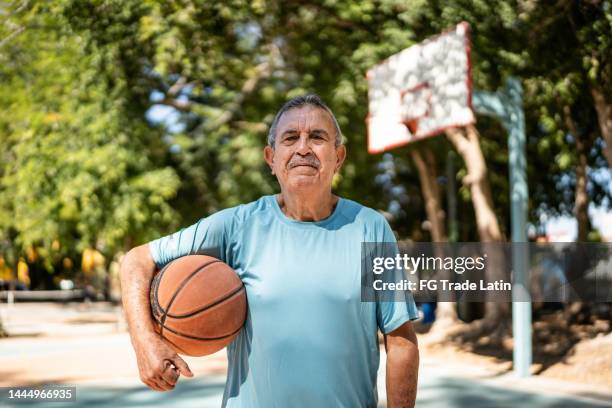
<point>392,314</point>
<point>208,236</point>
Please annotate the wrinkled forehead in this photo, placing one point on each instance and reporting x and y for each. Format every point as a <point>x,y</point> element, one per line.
<point>305,119</point>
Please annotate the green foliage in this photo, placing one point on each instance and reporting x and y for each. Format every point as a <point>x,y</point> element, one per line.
<point>568,44</point>
<point>77,168</point>
<point>85,160</point>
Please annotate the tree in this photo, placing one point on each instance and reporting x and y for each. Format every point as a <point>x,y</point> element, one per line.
<point>221,70</point>
<point>425,162</point>
<point>572,81</point>
<point>81,165</point>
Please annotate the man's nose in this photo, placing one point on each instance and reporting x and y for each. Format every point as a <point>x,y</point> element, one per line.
<point>303,146</point>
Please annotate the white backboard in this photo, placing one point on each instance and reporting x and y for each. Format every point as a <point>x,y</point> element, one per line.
<point>420,91</point>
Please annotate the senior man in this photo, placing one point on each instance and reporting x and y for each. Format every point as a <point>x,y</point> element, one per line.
<point>309,340</point>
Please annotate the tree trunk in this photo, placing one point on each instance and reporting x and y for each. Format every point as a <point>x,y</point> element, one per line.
<point>425,163</point>
<point>581,201</point>
<point>467,144</point>
<point>582,198</point>
<point>424,160</point>
<point>604,117</point>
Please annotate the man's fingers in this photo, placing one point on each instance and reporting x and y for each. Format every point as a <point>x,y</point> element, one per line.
<point>160,384</point>
<point>148,381</point>
<point>165,385</point>
<point>182,366</point>
<point>170,374</point>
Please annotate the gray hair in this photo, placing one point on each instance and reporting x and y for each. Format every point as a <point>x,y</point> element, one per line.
<point>298,102</point>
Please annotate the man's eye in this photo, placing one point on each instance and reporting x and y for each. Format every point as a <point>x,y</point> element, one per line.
<point>291,138</point>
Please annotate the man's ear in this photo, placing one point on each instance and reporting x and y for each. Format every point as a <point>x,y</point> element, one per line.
<point>340,156</point>
<point>269,157</point>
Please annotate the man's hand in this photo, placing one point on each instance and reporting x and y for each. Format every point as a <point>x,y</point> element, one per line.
<point>402,366</point>
<point>159,365</point>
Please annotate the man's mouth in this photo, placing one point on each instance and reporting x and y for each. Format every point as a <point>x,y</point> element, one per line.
<point>309,160</point>
<point>302,165</point>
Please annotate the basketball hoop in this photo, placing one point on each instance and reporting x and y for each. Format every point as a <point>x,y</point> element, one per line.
<point>420,91</point>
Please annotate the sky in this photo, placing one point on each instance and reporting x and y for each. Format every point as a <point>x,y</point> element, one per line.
<point>565,229</point>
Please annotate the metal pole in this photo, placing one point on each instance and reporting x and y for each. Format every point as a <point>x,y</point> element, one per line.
<point>521,301</point>
<point>507,105</point>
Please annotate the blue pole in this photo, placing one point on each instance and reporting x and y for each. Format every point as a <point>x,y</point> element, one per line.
<point>507,105</point>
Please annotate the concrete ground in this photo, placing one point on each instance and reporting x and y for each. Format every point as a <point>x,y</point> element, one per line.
<point>86,347</point>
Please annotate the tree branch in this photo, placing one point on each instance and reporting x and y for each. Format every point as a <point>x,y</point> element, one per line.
<point>183,106</point>
<point>262,71</point>
<point>12,35</point>
<point>258,127</point>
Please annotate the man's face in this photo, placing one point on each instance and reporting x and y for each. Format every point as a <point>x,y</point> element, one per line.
<point>305,154</point>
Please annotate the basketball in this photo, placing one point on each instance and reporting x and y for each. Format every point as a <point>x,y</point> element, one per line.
<point>199,304</point>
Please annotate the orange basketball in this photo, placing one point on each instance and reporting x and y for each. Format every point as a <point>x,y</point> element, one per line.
<point>199,304</point>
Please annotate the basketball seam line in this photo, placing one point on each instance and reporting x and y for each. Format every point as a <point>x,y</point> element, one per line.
<point>156,281</point>
<point>215,303</point>
<point>154,287</point>
<point>175,345</point>
<point>195,337</point>
<point>177,291</point>
<point>155,300</point>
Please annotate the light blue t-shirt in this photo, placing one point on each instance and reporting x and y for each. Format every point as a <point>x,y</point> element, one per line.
<point>308,340</point>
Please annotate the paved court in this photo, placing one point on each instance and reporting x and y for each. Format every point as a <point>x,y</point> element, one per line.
<point>434,391</point>
<point>437,386</point>
<point>99,360</point>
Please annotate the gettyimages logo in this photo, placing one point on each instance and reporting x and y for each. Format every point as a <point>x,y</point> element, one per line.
<point>483,272</point>
<point>459,264</point>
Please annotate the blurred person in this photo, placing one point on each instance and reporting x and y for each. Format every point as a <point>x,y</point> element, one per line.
<point>309,340</point>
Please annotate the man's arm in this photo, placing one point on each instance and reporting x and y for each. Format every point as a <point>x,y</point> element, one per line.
<point>158,364</point>
<point>402,366</point>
